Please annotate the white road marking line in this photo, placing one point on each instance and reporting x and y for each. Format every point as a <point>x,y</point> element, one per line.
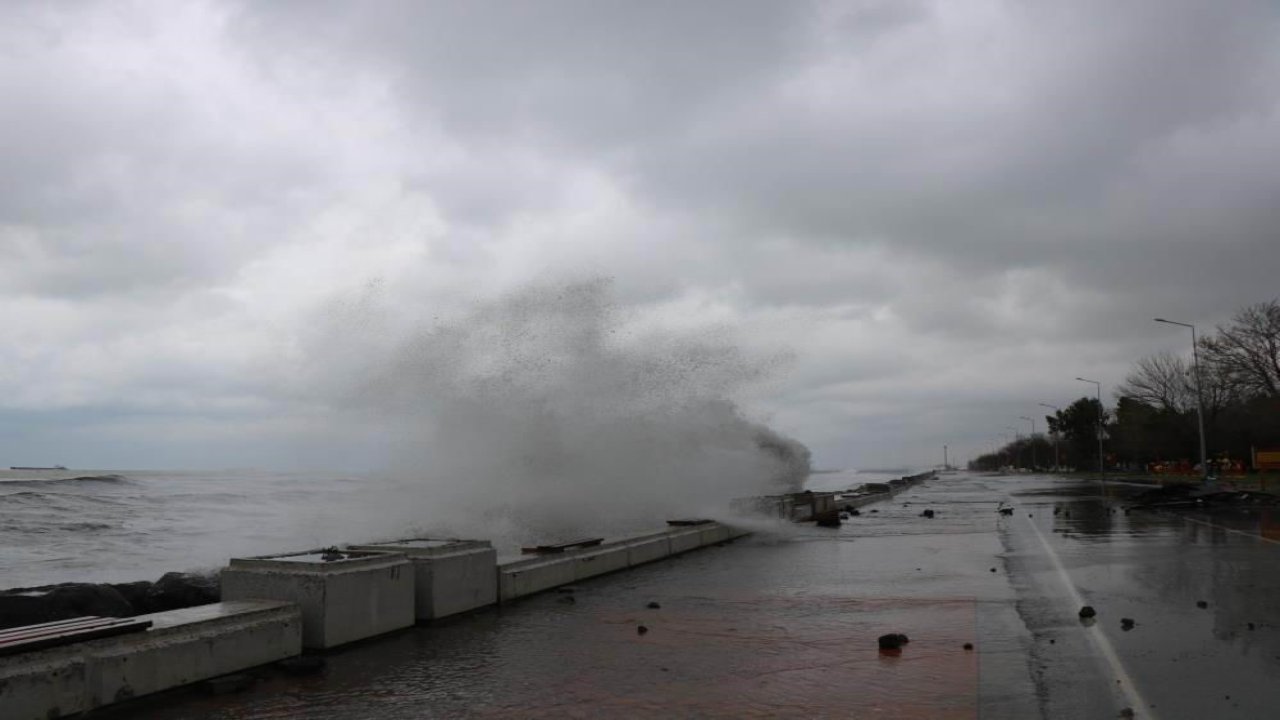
<point>1099,638</point>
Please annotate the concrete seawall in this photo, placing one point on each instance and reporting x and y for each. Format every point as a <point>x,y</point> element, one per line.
<point>274,607</point>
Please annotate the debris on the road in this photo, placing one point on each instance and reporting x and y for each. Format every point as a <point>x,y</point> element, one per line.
<point>1127,713</point>
<point>927,513</point>
<point>653,605</point>
<point>1193,497</point>
<point>1126,624</point>
<point>641,629</point>
<point>893,641</point>
<point>1251,626</point>
<point>1087,612</point>
<point>1202,604</point>
<point>968,646</point>
<point>993,569</point>
<point>1006,511</point>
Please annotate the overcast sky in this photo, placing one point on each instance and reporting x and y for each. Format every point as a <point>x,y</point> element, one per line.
<point>940,212</point>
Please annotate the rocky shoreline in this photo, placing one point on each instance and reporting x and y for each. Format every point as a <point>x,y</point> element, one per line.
<point>172,591</point>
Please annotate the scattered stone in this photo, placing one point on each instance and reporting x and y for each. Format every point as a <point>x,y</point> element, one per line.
<point>1126,713</point>
<point>302,665</point>
<point>993,569</point>
<point>1251,626</point>
<point>1202,604</point>
<point>927,513</point>
<point>874,510</point>
<point>1028,514</point>
<point>331,554</point>
<point>855,512</point>
<point>893,641</point>
<point>228,684</point>
<point>844,516</point>
<point>968,646</point>
<point>1006,511</point>
<point>1087,612</point>
<point>1052,641</point>
<point>653,605</point>
<point>1126,624</point>
<point>641,629</point>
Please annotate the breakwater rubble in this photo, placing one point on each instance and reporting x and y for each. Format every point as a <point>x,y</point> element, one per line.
<point>172,591</point>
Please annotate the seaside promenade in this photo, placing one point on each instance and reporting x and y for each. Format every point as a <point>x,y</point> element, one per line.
<point>785,623</point>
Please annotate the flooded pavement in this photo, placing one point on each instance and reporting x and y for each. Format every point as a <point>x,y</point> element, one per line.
<point>786,624</point>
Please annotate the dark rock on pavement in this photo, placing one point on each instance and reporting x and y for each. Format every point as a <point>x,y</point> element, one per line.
<point>1087,612</point>
<point>653,605</point>
<point>893,641</point>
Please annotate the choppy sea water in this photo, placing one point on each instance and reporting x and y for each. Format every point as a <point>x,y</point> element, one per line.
<point>122,525</point>
<point>95,525</point>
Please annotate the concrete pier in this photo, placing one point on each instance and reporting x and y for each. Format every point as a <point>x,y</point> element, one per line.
<point>350,596</point>
<point>450,576</point>
<point>181,647</point>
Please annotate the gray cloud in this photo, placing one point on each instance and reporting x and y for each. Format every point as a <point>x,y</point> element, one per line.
<point>943,212</point>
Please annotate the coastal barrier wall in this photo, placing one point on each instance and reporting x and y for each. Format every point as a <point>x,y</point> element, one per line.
<point>344,596</point>
<point>181,647</point>
<point>276,606</point>
<point>449,576</point>
<point>528,575</point>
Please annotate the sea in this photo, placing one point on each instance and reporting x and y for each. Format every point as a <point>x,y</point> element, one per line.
<point>124,525</point>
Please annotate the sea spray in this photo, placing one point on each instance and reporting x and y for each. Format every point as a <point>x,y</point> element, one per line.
<point>545,414</point>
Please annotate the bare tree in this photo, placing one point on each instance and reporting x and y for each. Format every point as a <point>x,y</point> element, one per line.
<point>1163,381</point>
<point>1247,351</point>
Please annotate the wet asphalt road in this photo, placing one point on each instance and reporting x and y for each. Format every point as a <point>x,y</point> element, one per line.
<point>784,624</point>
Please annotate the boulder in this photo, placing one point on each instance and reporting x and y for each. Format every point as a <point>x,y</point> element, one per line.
<point>1087,612</point>
<point>75,599</point>
<point>893,641</point>
<point>17,609</point>
<point>176,590</point>
<point>136,594</point>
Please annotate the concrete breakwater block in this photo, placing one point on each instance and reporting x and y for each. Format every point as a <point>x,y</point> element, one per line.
<point>450,576</point>
<point>344,596</point>
<point>518,578</point>
<point>181,647</point>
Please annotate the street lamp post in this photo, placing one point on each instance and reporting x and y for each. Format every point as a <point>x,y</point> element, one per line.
<point>1032,439</point>
<point>1017,458</point>
<point>1101,469</point>
<point>1195,364</point>
<point>1056,464</point>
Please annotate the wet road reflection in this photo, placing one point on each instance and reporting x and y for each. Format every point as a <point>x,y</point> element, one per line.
<point>785,624</point>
